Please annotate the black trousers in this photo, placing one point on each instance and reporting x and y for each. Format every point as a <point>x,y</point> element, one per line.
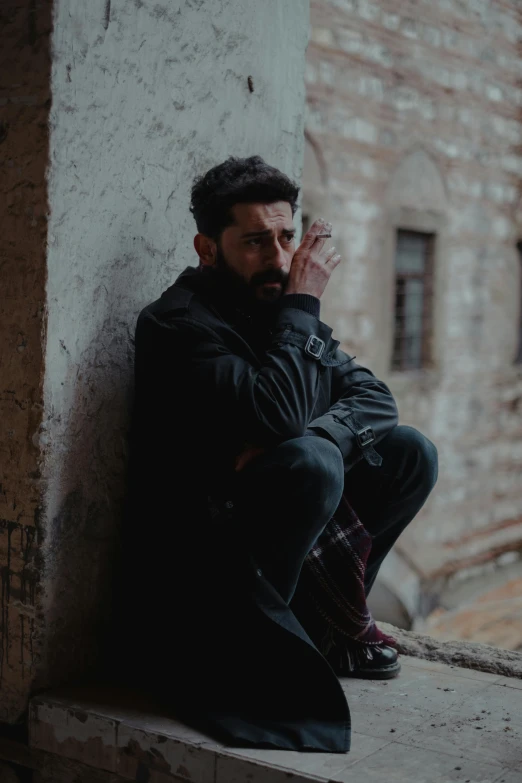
<point>287,496</point>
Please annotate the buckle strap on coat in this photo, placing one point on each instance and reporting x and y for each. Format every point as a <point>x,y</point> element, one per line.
<point>313,346</point>
<point>364,436</point>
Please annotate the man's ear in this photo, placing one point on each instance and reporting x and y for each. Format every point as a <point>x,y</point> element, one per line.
<point>206,249</point>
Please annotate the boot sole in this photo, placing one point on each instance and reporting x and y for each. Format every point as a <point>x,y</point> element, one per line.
<point>384,673</point>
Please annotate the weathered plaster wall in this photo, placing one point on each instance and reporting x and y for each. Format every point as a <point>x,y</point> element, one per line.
<point>24,108</point>
<point>416,111</point>
<point>146,95</point>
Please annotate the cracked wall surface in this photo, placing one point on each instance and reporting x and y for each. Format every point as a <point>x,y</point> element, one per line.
<point>146,95</point>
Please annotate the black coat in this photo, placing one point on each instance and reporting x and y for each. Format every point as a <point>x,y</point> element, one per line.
<point>222,644</point>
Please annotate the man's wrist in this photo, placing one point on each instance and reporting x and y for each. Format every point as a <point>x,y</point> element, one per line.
<point>307,302</point>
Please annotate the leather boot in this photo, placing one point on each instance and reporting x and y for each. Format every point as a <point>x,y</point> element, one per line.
<point>365,661</point>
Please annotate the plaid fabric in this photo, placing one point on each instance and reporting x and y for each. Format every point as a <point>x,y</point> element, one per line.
<point>331,601</point>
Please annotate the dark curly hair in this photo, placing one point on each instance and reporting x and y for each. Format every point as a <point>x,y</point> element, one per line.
<point>237,181</point>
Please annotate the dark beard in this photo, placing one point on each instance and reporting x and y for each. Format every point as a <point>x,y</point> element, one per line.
<point>245,293</point>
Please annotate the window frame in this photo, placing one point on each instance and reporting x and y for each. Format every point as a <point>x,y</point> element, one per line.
<point>428,221</point>
<point>426,276</point>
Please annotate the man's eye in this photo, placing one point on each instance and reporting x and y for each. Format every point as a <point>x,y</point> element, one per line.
<point>289,237</point>
<point>253,241</point>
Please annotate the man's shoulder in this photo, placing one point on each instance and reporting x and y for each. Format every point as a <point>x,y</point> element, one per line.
<point>176,300</point>
<point>181,302</point>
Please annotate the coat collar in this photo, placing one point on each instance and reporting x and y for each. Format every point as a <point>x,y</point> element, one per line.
<point>224,295</point>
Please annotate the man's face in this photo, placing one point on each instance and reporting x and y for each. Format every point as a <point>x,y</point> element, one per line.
<point>258,249</point>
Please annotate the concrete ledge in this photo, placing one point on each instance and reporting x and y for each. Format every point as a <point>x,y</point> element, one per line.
<point>433,720</point>
<point>469,655</point>
<point>429,716</point>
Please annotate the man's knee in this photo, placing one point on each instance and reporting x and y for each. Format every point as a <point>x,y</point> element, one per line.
<point>418,447</point>
<point>317,464</point>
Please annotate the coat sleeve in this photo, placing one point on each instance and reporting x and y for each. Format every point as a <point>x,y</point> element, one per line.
<point>362,412</point>
<point>267,403</point>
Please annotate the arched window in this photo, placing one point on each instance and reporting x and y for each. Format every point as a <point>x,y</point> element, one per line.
<point>417,203</point>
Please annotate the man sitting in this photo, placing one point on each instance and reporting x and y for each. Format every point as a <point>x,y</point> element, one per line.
<point>272,474</point>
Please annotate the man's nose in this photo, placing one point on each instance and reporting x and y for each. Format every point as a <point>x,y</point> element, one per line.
<point>276,257</point>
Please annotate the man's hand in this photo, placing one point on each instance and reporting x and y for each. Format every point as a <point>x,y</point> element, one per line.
<point>312,264</point>
<point>248,454</point>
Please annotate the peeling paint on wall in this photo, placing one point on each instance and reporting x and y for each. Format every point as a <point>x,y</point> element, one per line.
<point>24,110</point>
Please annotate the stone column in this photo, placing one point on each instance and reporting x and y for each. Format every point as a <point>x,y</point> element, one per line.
<point>145,95</point>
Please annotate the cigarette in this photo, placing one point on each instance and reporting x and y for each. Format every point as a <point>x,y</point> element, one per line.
<point>322,236</point>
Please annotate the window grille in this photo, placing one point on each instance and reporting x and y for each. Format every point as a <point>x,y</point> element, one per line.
<point>413,300</point>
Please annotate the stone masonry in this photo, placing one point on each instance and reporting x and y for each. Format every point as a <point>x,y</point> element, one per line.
<point>415,122</point>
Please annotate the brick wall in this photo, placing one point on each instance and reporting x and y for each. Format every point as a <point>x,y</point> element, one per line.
<point>417,106</point>
<point>24,106</point>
